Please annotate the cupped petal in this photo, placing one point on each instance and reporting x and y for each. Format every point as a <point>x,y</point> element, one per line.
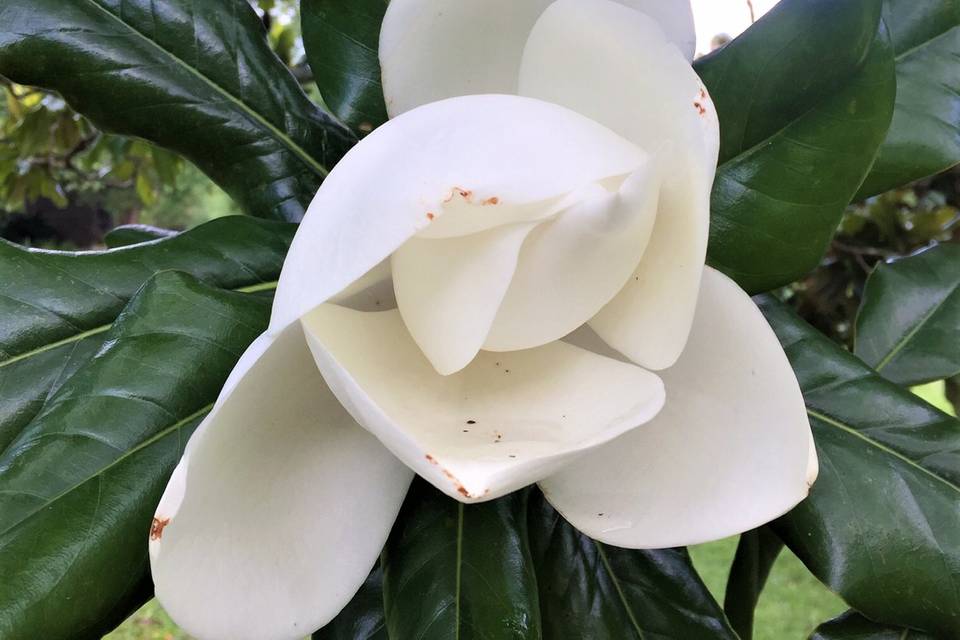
<point>508,149</point>
<point>573,265</point>
<point>448,291</point>
<point>729,451</point>
<point>675,17</point>
<point>503,422</point>
<point>616,66</point>
<point>436,49</point>
<point>278,510</point>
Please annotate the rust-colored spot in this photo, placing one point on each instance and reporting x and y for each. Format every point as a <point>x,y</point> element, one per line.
<point>431,459</point>
<point>700,108</point>
<point>491,201</point>
<point>156,529</point>
<point>430,216</point>
<point>466,194</point>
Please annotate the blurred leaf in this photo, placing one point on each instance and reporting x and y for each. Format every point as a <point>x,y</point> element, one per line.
<point>853,626</point>
<point>799,134</point>
<point>57,307</point>
<point>128,234</point>
<point>924,138</point>
<point>342,40</point>
<point>592,590</point>
<point>145,189</point>
<point>908,327</point>
<point>79,485</point>
<point>756,553</point>
<point>882,524</point>
<point>457,571</point>
<point>197,77</point>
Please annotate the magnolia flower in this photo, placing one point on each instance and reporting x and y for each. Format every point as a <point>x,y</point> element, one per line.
<point>503,285</point>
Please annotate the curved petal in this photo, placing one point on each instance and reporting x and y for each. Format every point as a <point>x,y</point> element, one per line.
<point>616,66</point>
<point>279,508</point>
<point>514,150</point>
<point>675,17</point>
<point>573,265</point>
<point>503,422</point>
<point>436,49</point>
<point>729,452</point>
<point>448,291</point>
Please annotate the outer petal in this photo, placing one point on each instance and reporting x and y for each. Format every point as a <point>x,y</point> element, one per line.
<point>436,49</point>
<point>616,66</point>
<point>503,422</point>
<point>515,150</point>
<point>729,452</point>
<point>279,509</point>
<point>573,265</point>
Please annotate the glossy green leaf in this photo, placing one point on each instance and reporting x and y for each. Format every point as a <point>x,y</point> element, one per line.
<point>882,524</point>
<point>801,127</point>
<point>592,590</point>
<point>56,307</point>
<point>342,41</point>
<point>79,484</point>
<point>193,76</point>
<point>457,571</point>
<point>756,553</point>
<point>908,327</point>
<point>128,234</point>
<point>924,137</point>
<point>362,618</point>
<point>853,626</point>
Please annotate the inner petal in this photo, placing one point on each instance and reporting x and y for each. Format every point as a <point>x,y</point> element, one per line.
<point>501,423</point>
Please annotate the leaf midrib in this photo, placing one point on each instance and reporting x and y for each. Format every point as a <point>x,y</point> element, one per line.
<point>833,422</point>
<point>256,288</point>
<point>277,133</point>
<point>143,445</point>
<point>901,344</point>
<point>620,593</point>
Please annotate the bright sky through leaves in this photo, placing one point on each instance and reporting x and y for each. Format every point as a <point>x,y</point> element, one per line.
<point>724,16</point>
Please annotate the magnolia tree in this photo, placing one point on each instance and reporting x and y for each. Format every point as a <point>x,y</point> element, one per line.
<point>508,364</point>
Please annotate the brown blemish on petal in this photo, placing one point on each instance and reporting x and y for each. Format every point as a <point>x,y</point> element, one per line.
<point>700,108</point>
<point>430,215</point>
<point>452,478</point>
<point>157,527</point>
<point>491,201</point>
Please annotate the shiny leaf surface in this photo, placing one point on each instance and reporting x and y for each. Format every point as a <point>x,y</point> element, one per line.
<point>128,234</point>
<point>195,76</point>
<point>794,156</point>
<point>56,307</point>
<point>924,137</point>
<point>592,590</point>
<point>853,626</point>
<point>457,571</point>
<point>756,553</point>
<point>342,41</point>
<point>908,327</point>
<point>79,484</point>
<point>882,524</point>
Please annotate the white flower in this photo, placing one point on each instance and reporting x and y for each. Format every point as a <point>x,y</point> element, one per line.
<point>546,251</point>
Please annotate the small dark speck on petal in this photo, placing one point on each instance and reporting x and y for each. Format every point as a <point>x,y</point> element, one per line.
<point>512,456</point>
<point>466,430</point>
<point>471,422</point>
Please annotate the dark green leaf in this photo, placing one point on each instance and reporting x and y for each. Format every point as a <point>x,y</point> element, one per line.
<point>79,484</point>
<point>456,571</point>
<point>924,138</point>
<point>800,133</point>
<point>592,590</point>
<point>194,76</point>
<point>853,626</point>
<point>56,307</point>
<point>342,40</point>
<point>908,327</point>
<point>756,553</point>
<point>882,524</point>
<point>128,234</point>
<point>362,618</point>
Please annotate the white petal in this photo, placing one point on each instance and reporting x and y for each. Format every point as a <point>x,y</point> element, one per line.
<point>515,150</point>
<point>436,49</point>
<point>279,509</point>
<point>503,422</point>
<point>675,17</point>
<point>616,66</point>
<point>448,291</point>
<point>729,451</point>
<point>573,265</point>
